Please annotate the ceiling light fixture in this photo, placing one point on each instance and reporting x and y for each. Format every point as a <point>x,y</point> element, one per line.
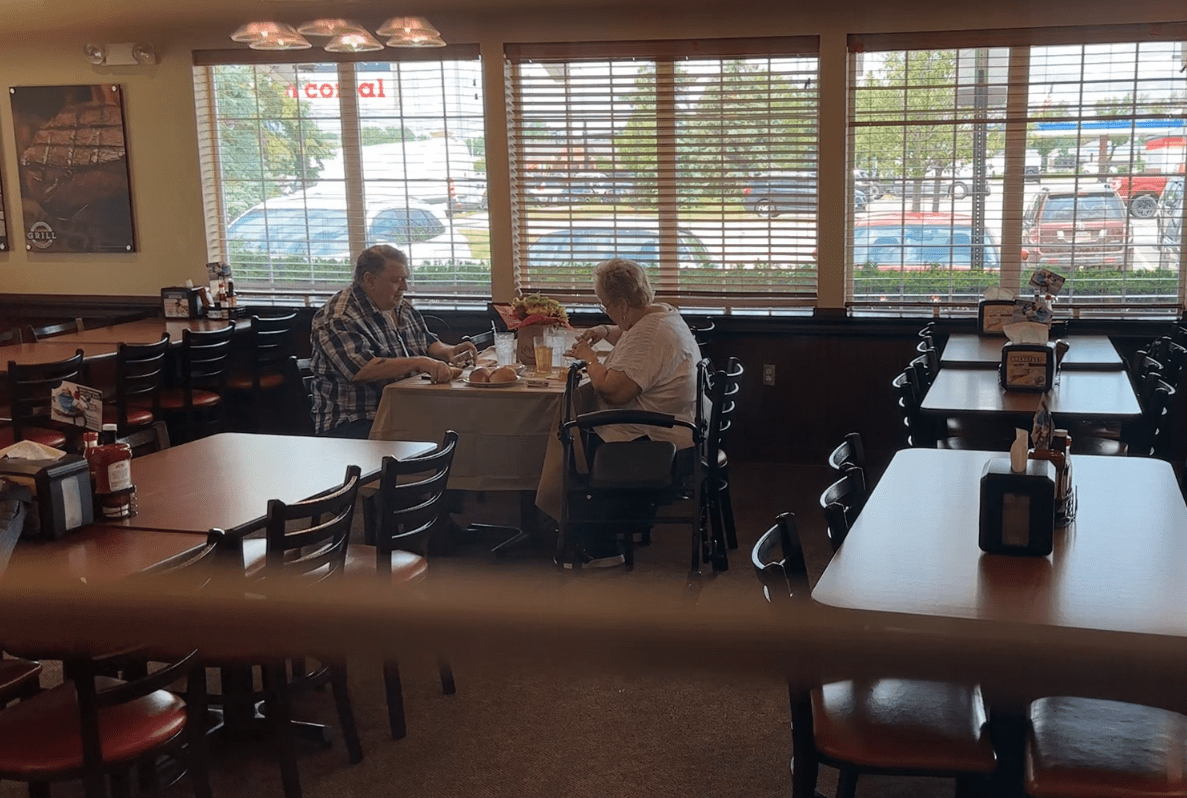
<point>353,43</point>
<point>270,36</point>
<point>411,32</point>
<point>331,27</point>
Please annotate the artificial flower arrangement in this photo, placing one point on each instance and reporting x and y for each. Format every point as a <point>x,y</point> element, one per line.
<point>533,309</point>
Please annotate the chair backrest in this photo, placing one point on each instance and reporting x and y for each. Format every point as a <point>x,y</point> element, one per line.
<point>34,334</point>
<point>139,375</point>
<point>702,331</point>
<point>1151,434</point>
<point>850,452</point>
<point>411,494</point>
<point>29,387</point>
<point>482,340</point>
<point>778,561</point>
<point>922,376</point>
<point>928,350</point>
<point>724,386</point>
<point>204,356</point>
<point>318,546</point>
<point>919,432</point>
<point>147,440</point>
<point>842,502</point>
<point>271,344</point>
<point>437,325</point>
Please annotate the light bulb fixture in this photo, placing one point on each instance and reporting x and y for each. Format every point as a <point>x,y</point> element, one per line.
<point>411,32</point>
<point>270,36</point>
<point>127,54</point>
<point>353,43</point>
<point>330,27</point>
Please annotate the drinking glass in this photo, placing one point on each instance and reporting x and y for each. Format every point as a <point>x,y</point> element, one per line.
<point>559,341</point>
<point>543,357</point>
<point>505,348</point>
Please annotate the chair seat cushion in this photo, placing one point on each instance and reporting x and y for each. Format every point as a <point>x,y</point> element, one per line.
<point>255,554</point>
<point>904,725</point>
<point>243,382</point>
<point>1108,447</point>
<point>137,416</point>
<point>40,736</point>
<point>174,398</point>
<point>407,567</point>
<point>1104,749</point>
<point>632,465</point>
<point>46,437</point>
<point>16,672</point>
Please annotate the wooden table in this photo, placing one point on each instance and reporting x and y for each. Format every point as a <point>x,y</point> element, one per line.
<point>144,331</point>
<point>1078,395</point>
<point>100,553</point>
<point>1087,353</point>
<point>51,351</point>
<point>226,480</point>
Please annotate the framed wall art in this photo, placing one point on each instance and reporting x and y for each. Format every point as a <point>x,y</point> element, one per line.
<point>73,165</point>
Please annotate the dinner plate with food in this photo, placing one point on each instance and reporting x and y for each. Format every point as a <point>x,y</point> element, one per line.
<point>502,377</point>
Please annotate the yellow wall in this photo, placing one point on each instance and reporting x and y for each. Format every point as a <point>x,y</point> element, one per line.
<point>162,141</point>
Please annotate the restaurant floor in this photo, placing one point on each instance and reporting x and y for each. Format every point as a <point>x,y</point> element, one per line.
<point>535,730</point>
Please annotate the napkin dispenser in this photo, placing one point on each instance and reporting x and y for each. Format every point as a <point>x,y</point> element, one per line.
<point>181,302</point>
<point>1017,508</point>
<point>1028,367</point>
<point>993,315</point>
<point>61,493</point>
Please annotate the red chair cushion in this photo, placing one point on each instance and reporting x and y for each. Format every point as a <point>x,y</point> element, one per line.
<point>14,673</point>
<point>1104,749</point>
<point>242,382</point>
<point>137,416</point>
<point>903,725</point>
<point>40,737</point>
<point>407,567</point>
<point>47,437</point>
<point>174,399</point>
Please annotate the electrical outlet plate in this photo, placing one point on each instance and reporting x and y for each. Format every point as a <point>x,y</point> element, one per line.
<point>768,374</point>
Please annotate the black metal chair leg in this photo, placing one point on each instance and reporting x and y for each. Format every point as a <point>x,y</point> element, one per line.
<point>447,685</point>
<point>847,782</point>
<point>395,700</point>
<point>727,515</point>
<point>146,775</point>
<point>279,712</point>
<point>38,789</point>
<point>350,732</point>
<point>121,783</point>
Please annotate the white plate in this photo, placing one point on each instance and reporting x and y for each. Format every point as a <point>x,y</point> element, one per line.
<point>491,384</point>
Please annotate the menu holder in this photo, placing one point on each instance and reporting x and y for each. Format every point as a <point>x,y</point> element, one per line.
<point>181,302</point>
<point>993,315</point>
<point>1027,367</point>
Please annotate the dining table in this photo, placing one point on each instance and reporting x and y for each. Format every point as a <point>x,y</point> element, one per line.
<point>1085,352</point>
<point>145,331</point>
<point>51,351</point>
<point>1106,396</point>
<point>1116,569</point>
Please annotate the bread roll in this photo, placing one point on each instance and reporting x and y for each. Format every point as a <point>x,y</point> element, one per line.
<point>504,374</point>
<point>480,374</point>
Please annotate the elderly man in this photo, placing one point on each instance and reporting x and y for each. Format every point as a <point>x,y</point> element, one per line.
<point>366,336</point>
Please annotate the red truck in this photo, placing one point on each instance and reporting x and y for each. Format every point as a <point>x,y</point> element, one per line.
<point>1140,192</point>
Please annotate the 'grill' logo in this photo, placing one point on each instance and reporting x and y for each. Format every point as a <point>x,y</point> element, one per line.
<point>41,235</point>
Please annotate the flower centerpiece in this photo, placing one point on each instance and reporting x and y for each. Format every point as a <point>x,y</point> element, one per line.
<point>530,316</point>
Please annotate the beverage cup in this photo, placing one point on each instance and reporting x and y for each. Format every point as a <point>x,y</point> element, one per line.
<point>505,348</point>
<point>543,358</point>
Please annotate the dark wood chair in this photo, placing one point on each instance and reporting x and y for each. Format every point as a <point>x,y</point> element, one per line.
<point>148,440</point>
<point>19,679</point>
<point>882,726</point>
<point>94,727</point>
<point>724,386</point>
<point>306,541</point>
<point>29,387</point>
<point>1148,436</point>
<point>260,386</point>
<point>920,431</point>
<point>11,336</point>
<point>702,331</point>
<point>482,340</point>
<point>410,503</point>
<point>140,373</point>
<point>842,502</point>
<point>34,334</point>
<point>197,401</point>
<point>849,452</point>
<point>635,477</point>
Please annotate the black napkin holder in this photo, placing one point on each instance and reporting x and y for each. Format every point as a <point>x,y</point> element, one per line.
<point>993,315</point>
<point>61,491</point>
<point>1028,367</point>
<point>181,302</point>
<point>1017,509</point>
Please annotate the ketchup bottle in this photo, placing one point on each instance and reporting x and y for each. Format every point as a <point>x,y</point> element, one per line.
<point>111,470</point>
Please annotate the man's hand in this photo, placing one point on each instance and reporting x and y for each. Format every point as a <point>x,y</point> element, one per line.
<point>438,370</point>
<point>463,353</point>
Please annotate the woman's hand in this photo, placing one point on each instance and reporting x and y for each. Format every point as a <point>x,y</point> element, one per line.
<point>583,351</point>
<point>593,335</point>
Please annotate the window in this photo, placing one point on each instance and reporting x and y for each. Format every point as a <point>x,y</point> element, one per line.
<point>301,173</point>
<point>672,154</point>
<point>1010,151</point>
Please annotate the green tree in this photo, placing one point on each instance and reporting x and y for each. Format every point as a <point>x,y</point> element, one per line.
<point>266,145</point>
<point>896,106</point>
<point>387,135</point>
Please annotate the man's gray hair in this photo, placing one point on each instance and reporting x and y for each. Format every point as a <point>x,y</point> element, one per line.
<point>374,260</point>
<point>624,280</point>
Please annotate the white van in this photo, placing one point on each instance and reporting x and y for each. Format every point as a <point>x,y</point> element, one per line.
<point>434,171</point>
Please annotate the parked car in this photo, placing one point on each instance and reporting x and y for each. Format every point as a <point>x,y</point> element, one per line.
<point>314,225</point>
<point>1087,226</point>
<point>957,187</point>
<point>869,184</point>
<point>1140,192</point>
<point>1170,224</point>
<point>595,241</point>
<point>791,192</point>
<point>918,240</point>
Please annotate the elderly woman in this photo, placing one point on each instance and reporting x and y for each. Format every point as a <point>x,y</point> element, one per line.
<point>653,366</point>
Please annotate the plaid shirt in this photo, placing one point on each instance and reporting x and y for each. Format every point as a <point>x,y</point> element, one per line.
<point>348,333</point>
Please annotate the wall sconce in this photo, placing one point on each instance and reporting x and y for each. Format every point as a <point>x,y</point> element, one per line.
<point>129,54</point>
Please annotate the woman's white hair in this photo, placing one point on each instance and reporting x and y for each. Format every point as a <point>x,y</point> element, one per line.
<point>624,280</point>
